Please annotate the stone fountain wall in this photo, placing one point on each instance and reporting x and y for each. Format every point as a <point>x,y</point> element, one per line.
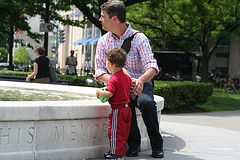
<point>66,130</point>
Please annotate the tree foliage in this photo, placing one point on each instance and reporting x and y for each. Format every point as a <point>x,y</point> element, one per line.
<point>21,56</point>
<point>3,54</point>
<point>91,9</point>
<point>198,23</point>
<point>14,15</point>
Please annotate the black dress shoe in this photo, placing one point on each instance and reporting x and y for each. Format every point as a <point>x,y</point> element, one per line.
<point>133,152</point>
<point>157,154</point>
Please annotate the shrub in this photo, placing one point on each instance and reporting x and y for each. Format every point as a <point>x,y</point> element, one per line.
<point>74,80</point>
<point>14,73</point>
<point>185,94</point>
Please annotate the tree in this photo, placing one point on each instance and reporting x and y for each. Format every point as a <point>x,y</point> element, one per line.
<point>199,23</point>
<point>91,10</point>
<point>21,56</point>
<point>14,18</point>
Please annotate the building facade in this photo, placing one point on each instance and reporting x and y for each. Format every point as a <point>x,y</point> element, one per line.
<point>82,40</point>
<point>226,58</point>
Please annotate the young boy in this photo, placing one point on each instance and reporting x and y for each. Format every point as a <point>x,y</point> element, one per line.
<point>118,91</point>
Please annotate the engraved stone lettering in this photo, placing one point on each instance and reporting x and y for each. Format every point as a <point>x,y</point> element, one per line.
<point>95,131</point>
<point>84,135</point>
<point>18,140</point>
<point>59,135</point>
<point>4,136</point>
<point>105,130</point>
<point>31,131</point>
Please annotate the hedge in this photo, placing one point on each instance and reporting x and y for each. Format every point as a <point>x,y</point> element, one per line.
<point>184,94</point>
<point>73,80</point>
<point>14,73</point>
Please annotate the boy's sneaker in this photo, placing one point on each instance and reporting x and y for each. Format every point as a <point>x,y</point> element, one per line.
<point>113,156</point>
<point>106,154</point>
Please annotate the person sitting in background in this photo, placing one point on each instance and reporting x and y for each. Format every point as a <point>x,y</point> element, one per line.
<point>21,67</point>
<point>178,76</point>
<point>161,74</point>
<point>213,77</point>
<point>236,81</point>
<point>222,79</point>
<point>198,77</point>
<point>229,87</point>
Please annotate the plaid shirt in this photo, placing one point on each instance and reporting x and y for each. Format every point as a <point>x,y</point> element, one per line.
<point>139,58</point>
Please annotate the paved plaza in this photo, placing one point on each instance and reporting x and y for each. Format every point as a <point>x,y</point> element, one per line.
<point>199,136</point>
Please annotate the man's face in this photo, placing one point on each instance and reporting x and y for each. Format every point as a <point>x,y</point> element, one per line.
<point>106,21</point>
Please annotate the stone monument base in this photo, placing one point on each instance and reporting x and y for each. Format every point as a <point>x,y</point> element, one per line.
<point>66,130</point>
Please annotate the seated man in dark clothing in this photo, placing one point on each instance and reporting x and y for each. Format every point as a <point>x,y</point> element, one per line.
<point>161,75</point>
<point>178,76</point>
<point>213,77</point>
<point>236,81</point>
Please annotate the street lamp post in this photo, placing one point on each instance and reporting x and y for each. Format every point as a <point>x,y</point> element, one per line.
<point>46,33</point>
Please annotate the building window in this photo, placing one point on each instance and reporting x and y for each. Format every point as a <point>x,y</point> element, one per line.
<point>89,30</point>
<point>222,56</point>
<point>97,32</point>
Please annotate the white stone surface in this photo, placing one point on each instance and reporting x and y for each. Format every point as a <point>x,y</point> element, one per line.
<point>66,130</point>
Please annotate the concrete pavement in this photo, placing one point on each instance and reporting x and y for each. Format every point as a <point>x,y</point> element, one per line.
<point>199,136</point>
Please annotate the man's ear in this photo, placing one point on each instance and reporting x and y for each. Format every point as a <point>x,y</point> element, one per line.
<point>110,64</point>
<point>115,18</point>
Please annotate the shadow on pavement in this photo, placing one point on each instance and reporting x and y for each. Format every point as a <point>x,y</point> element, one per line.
<point>173,146</point>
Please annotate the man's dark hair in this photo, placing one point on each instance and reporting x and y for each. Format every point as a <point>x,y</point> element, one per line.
<point>115,8</point>
<point>117,56</point>
<point>40,50</point>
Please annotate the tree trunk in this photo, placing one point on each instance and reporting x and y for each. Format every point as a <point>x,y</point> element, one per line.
<point>204,67</point>
<point>10,48</point>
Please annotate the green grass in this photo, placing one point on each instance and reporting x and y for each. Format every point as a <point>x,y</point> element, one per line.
<point>220,101</point>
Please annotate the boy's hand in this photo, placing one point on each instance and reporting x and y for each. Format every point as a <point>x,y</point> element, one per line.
<point>97,93</point>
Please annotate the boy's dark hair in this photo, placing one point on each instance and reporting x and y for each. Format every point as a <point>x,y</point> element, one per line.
<point>115,8</point>
<point>40,50</point>
<point>117,56</point>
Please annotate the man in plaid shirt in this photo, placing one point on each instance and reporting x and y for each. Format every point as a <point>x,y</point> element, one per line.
<point>142,67</point>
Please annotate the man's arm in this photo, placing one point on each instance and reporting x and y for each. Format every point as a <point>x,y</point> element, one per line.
<point>148,75</point>
<point>104,78</point>
<point>138,83</point>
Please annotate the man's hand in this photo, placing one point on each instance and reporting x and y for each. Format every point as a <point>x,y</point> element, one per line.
<point>104,78</point>
<point>137,86</point>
